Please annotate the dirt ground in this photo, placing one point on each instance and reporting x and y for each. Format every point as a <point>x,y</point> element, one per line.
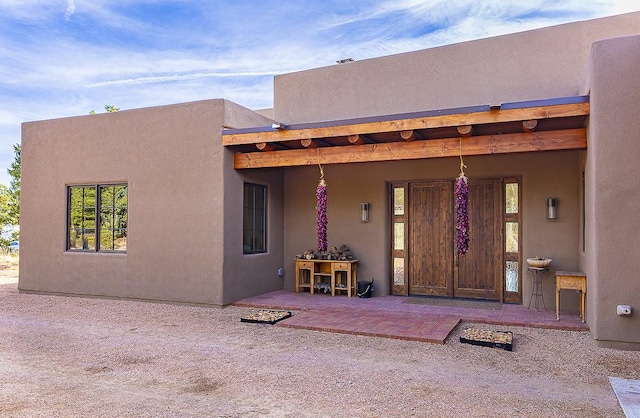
<point>68,357</point>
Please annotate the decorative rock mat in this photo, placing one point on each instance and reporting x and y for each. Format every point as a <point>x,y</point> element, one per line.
<point>494,339</point>
<point>266,317</point>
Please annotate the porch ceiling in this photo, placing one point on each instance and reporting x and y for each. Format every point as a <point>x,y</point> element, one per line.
<point>543,125</point>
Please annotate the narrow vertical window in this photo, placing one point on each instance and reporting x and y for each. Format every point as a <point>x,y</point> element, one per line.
<point>113,218</point>
<point>254,219</point>
<point>398,238</point>
<point>82,218</point>
<point>97,218</point>
<point>512,239</point>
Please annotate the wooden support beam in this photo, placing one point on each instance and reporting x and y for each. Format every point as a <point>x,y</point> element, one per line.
<point>308,143</point>
<point>410,135</point>
<point>529,125</point>
<point>465,130</point>
<point>263,146</point>
<point>359,139</point>
<point>355,139</point>
<point>440,121</point>
<point>268,146</point>
<point>476,145</point>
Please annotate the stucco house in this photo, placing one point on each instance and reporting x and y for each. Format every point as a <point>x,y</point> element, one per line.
<point>209,202</point>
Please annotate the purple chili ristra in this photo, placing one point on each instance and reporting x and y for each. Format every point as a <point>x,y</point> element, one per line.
<point>321,211</point>
<point>462,215</point>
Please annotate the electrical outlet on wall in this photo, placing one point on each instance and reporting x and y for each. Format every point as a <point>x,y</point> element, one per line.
<point>624,310</point>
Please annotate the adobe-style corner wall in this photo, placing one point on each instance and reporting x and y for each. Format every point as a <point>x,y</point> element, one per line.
<point>251,274</point>
<point>538,64</point>
<point>172,160</point>
<point>611,259</point>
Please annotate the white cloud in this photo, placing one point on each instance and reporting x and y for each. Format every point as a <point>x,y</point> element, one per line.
<point>178,77</point>
<point>71,9</point>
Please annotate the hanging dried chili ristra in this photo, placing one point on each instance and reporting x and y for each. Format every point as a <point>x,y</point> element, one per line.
<point>321,211</point>
<point>462,214</point>
<point>462,209</point>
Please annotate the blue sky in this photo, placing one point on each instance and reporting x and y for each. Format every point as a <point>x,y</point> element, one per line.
<point>63,58</point>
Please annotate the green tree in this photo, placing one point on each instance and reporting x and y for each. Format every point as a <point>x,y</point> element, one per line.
<point>108,108</point>
<point>5,219</point>
<point>4,206</point>
<point>14,170</point>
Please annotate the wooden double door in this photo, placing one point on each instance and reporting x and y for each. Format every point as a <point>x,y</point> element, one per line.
<point>432,264</point>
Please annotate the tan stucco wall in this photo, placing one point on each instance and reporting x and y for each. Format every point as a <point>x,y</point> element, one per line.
<point>613,192</point>
<point>538,64</point>
<point>544,175</point>
<point>251,274</point>
<point>173,162</point>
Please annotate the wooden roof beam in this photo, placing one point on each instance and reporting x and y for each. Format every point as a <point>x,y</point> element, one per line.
<point>359,139</point>
<point>410,135</point>
<point>439,121</point>
<point>465,130</point>
<point>435,148</point>
<point>309,143</point>
<point>271,146</point>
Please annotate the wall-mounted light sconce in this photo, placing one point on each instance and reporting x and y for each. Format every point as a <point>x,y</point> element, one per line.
<point>364,212</point>
<point>552,208</point>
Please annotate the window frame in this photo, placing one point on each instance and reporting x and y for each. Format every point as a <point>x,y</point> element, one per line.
<point>97,213</point>
<point>253,231</point>
<point>515,217</point>
<point>400,254</point>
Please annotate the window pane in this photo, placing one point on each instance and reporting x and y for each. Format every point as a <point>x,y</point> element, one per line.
<point>82,218</point>
<point>89,239</point>
<point>113,218</point>
<point>398,236</point>
<point>398,201</point>
<point>511,237</point>
<point>106,239</point>
<point>398,271</point>
<point>120,239</point>
<point>254,234</point>
<point>512,276</point>
<point>511,198</point>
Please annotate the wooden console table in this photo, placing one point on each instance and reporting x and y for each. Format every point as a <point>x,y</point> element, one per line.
<point>571,280</point>
<point>338,274</point>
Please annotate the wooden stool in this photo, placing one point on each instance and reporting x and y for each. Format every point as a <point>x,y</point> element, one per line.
<point>571,280</point>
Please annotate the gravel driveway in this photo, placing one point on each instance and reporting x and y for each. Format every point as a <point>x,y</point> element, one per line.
<point>67,356</point>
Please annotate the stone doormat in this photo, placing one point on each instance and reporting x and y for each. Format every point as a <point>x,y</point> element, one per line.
<point>433,328</point>
<point>455,303</point>
<point>628,393</point>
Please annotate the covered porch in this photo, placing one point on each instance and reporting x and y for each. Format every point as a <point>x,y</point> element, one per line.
<point>529,144</point>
